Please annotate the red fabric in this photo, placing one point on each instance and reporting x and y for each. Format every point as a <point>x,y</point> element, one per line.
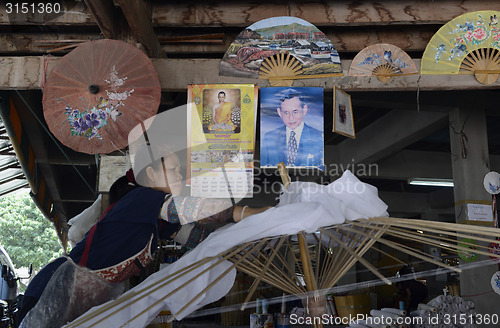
<point>88,241</point>
<point>126,269</point>
<point>130,176</point>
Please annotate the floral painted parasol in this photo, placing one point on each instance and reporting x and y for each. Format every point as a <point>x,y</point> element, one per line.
<point>97,93</point>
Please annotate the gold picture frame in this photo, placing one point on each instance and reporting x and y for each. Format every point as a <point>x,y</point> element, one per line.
<point>343,120</point>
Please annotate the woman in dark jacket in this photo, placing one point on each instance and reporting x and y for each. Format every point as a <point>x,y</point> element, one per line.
<point>122,242</point>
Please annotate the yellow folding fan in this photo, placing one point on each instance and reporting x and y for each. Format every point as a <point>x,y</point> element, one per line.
<point>468,44</point>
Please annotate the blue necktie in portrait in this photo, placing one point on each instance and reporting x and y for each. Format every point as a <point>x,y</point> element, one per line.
<point>292,149</point>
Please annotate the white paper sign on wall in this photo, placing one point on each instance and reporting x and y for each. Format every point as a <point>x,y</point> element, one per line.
<point>110,169</point>
<point>479,212</point>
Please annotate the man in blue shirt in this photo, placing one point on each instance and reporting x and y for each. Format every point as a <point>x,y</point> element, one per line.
<point>295,143</point>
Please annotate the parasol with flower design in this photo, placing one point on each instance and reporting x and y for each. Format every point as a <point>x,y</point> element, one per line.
<point>97,93</point>
<point>468,44</point>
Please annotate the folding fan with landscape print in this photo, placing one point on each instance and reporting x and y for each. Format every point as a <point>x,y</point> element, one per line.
<point>382,60</point>
<point>468,44</point>
<point>281,49</point>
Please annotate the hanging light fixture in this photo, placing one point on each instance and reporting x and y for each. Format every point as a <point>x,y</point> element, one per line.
<point>431,182</point>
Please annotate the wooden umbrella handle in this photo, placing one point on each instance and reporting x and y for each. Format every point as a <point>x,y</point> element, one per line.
<point>284,174</point>
<point>311,283</point>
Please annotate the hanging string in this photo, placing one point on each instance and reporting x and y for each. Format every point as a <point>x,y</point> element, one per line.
<point>121,151</point>
<point>495,214</point>
<point>480,294</point>
<point>463,140</point>
<point>463,137</point>
<point>418,93</point>
<point>45,65</point>
<point>127,157</point>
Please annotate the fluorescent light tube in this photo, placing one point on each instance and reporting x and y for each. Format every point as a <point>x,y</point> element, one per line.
<point>431,182</point>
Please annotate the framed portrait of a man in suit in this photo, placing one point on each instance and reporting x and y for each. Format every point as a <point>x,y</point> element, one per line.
<point>291,128</point>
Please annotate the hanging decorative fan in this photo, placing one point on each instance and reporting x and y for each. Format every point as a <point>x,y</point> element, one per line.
<point>382,60</point>
<point>301,51</point>
<point>484,64</point>
<point>468,44</point>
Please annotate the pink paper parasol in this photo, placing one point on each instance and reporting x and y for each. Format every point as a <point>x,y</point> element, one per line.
<point>97,93</point>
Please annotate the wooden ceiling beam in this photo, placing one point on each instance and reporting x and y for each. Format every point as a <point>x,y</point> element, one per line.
<point>139,20</point>
<point>106,17</point>
<point>408,38</point>
<point>319,13</point>
<point>71,13</point>
<point>413,38</point>
<point>41,43</point>
<point>175,74</point>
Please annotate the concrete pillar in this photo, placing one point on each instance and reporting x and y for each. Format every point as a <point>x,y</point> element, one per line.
<point>470,163</point>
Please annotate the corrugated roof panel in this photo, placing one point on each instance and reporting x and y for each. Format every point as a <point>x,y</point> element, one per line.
<point>11,176</point>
